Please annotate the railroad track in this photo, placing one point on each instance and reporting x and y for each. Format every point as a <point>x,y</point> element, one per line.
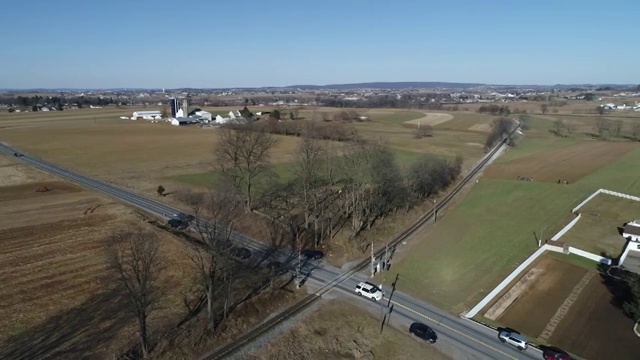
<point>298,307</point>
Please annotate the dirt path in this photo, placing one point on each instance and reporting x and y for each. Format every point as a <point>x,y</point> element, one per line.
<point>431,119</point>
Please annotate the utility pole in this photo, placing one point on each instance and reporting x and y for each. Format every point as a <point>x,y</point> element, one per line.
<point>373,270</point>
<point>435,212</point>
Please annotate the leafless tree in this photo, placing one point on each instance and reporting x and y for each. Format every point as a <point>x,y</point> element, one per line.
<point>635,130</point>
<point>560,127</point>
<point>423,131</point>
<point>602,126</point>
<point>600,110</point>
<point>617,127</point>
<point>499,128</point>
<point>210,257</point>
<point>135,263</point>
<point>242,158</point>
<point>544,108</point>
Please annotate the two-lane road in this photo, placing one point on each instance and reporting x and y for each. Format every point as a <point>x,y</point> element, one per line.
<point>466,338</point>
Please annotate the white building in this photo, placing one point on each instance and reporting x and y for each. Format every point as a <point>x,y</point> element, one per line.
<point>631,231</point>
<point>147,115</point>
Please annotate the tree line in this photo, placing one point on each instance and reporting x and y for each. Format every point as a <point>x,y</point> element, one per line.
<point>337,186</point>
<point>57,102</point>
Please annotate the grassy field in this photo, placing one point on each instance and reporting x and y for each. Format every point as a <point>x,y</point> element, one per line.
<point>357,336</point>
<point>487,235</point>
<point>597,229</point>
<point>98,142</point>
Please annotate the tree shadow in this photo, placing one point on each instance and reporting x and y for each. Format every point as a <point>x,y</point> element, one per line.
<point>613,278</point>
<point>73,334</point>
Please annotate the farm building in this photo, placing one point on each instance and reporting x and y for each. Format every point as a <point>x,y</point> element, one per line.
<point>147,115</point>
<point>631,231</point>
<point>183,121</point>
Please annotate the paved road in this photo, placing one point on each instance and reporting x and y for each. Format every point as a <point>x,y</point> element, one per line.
<point>461,338</point>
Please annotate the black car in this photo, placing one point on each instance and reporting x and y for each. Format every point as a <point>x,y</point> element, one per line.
<point>312,254</point>
<point>242,253</point>
<point>184,217</point>
<point>177,224</point>
<point>277,267</point>
<point>423,332</point>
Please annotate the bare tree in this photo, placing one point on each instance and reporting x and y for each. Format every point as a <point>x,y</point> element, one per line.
<point>544,108</point>
<point>602,126</point>
<point>309,159</point>
<point>600,110</point>
<point>617,127</point>
<point>561,127</point>
<point>210,257</point>
<point>423,131</point>
<point>242,157</point>
<point>135,263</point>
<point>499,128</point>
<point>635,130</point>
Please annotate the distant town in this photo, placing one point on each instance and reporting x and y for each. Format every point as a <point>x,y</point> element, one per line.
<point>391,95</point>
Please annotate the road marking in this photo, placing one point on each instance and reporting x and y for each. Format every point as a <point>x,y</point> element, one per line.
<point>452,329</point>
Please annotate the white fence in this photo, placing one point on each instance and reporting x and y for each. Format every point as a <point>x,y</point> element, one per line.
<point>566,228</point>
<point>586,200</point>
<point>621,195</point>
<point>487,299</point>
<point>505,282</point>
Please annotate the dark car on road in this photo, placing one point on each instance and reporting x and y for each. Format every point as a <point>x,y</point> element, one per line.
<point>242,253</point>
<point>312,254</point>
<point>177,224</point>
<point>553,353</point>
<point>423,332</point>
<point>277,267</point>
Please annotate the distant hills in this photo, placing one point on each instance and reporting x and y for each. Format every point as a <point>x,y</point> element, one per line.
<point>367,85</point>
<point>389,85</point>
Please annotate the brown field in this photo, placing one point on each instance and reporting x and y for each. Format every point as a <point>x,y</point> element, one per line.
<point>357,336</point>
<point>539,302</point>
<point>569,163</point>
<point>593,327</point>
<point>53,301</point>
<point>142,155</point>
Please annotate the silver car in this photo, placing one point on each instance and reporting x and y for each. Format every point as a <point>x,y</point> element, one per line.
<point>513,338</point>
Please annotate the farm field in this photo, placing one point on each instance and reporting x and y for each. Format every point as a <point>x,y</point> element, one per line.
<point>593,326</point>
<point>476,244</point>
<point>597,230</point>
<point>538,303</point>
<point>53,301</point>
<point>141,155</point>
<point>357,336</point>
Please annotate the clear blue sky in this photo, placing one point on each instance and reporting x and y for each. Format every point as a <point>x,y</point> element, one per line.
<point>215,43</point>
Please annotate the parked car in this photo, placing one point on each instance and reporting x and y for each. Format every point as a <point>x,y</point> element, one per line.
<point>242,253</point>
<point>184,217</point>
<point>277,267</point>
<point>553,353</point>
<point>423,332</point>
<point>312,254</point>
<point>513,338</point>
<point>369,291</point>
<point>177,224</point>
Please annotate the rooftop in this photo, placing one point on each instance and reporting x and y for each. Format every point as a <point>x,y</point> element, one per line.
<point>632,228</point>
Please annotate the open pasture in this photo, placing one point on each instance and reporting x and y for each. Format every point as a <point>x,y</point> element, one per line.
<point>569,163</point>
<point>478,242</point>
<point>598,230</point>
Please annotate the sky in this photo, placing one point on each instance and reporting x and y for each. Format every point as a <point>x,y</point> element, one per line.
<point>250,43</point>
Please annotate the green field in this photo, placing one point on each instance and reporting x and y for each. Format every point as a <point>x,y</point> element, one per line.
<point>486,236</point>
<point>597,229</point>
